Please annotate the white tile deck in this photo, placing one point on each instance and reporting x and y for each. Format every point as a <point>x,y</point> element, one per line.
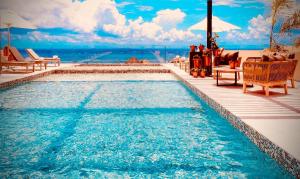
<point>5,77</point>
<point>276,117</point>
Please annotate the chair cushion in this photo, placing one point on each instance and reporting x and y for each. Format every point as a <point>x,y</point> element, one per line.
<point>279,58</point>
<point>233,56</point>
<point>270,58</point>
<point>223,55</point>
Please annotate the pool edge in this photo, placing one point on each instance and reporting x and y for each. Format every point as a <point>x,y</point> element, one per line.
<point>286,160</point>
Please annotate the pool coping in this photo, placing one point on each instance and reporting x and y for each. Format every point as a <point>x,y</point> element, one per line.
<point>28,78</point>
<point>285,159</point>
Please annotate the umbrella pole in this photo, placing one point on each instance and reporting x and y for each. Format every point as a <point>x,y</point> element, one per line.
<point>8,37</point>
<point>8,40</point>
<point>209,33</point>
<point>0,38</point>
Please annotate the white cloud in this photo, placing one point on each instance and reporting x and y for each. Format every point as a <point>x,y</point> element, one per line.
<point>224,3</point>
<point>168,18</point>
<point>237,3</point>
<point>124,3</point>
<point>145,8</point>
<point>161,29</point>
<point>85,17</point>
<point>82,16</point>
<point>258,29</point>
<point>71,38</point>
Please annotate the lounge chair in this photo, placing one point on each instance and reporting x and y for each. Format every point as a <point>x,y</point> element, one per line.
<point>292,72</point>
<point>5,63</point>
<point>35,56</point>
<point>267,74</point>
<point>17,56</point>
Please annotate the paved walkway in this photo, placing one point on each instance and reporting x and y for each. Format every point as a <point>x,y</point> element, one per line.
<point>6,76</point>
<point>276,117</point>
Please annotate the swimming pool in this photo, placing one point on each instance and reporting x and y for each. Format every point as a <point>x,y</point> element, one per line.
<point>121,129</point>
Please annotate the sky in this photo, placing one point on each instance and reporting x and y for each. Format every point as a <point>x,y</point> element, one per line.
<point>135,23</point>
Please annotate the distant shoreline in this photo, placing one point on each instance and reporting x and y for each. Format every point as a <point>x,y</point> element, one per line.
<point>162,48</point>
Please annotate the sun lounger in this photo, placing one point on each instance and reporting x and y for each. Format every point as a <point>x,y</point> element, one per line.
<point>19,58</point>
<point>5,63</point>
<point>35,56</point>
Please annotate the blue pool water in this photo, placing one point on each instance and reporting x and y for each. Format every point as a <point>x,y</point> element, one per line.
<point>121,129</point>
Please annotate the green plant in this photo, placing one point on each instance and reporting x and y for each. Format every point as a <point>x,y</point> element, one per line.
<point>214,41</point>
<point>195,69</point>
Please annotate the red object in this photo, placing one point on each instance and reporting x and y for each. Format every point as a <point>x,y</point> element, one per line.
<point>206,61</point>
<point>193,48</point>
<point>196,62</point>
<point>195,74</point>
<point>202,74</point>
<point>232,64</point>
<point>216,52</point>
<point>5,51</point>
<point>201,47</point>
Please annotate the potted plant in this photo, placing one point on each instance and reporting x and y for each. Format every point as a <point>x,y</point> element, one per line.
<point>194,72</point>
<point>203,73</point>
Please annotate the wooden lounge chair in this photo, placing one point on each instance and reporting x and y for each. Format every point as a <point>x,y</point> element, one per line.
<point>267,74</point>
<point>35,56</point>
<point>5,63</point>
<point>17,56</point>
<point>292,72</point>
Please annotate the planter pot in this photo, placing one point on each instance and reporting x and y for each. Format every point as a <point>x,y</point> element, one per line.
<point>195,74</point>
<point>202,74</point>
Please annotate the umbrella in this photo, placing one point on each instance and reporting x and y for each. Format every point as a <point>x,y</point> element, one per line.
<point>10,19</point>
<point>218,25</point>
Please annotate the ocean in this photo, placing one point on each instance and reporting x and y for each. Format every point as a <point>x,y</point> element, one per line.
<point>116,55</point>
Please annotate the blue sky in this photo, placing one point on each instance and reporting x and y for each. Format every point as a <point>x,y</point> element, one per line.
<point>135,23</point>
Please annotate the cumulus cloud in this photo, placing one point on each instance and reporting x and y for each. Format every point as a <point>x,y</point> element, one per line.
<point>259,28</point>
<point>168,18</point>
<point>82,16</point>
<point>86,17</point>
<point>161,28</point>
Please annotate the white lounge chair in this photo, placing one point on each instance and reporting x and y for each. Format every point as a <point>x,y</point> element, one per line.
<point>35,56</point>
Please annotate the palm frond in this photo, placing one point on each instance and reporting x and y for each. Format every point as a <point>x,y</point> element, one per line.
<point>292,22</point>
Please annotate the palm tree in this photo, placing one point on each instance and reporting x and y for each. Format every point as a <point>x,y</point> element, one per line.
<point>277,6</point>
<point>292,22</point>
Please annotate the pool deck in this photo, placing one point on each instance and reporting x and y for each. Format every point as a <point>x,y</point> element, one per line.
<point>272,123</point>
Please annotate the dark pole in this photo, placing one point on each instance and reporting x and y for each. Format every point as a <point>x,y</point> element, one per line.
<point>209,23</point>
<point>209,32</point>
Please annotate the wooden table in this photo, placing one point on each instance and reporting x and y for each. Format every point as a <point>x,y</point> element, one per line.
<point>226,70</point>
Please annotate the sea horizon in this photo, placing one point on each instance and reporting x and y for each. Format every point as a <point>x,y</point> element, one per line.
<point>116,55</point>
